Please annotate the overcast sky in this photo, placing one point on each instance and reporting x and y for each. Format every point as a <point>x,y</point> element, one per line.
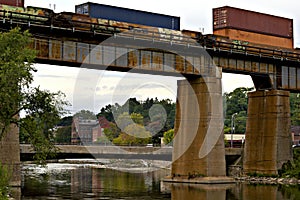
<point>78,84</point>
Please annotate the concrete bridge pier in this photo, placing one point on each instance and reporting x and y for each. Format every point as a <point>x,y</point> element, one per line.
<point>199,141</point>
<point>268,138</point>
<point>10,155</point>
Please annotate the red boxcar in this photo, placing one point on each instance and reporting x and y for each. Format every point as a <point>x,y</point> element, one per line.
<point>18,3</point>
<point>254,27</point>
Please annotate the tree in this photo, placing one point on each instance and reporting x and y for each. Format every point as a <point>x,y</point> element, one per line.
<point>168,136</point>
<point>85,114</point>
<point>295,109</point>
<point>112,131</point>
<point>134,134</point>
<point>65,121</point>
<point>107,113</point>
<point>236,102</point>
<point>63,135</point>
<point>132,130</point>
<point>41,108</point>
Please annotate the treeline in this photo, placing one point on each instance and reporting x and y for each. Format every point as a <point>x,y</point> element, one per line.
<point>237,102</point>
<point>154,119</point>
<point>138,122</point>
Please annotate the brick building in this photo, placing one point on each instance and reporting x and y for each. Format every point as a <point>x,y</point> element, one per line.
<point>86,131</point>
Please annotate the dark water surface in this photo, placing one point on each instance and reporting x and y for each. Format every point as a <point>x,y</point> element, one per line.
<point>72,181</point>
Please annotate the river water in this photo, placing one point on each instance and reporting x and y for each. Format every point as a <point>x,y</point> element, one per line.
<point>134,181</point>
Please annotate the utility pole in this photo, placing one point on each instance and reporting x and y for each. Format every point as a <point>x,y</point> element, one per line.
<point>232,128</point>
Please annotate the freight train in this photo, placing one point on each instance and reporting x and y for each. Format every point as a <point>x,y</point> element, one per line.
<point>81,22</point>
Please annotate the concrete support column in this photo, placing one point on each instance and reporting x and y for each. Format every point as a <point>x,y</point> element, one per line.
<point>199,141</point>
<point>268,138</point>
<point>10,154</point>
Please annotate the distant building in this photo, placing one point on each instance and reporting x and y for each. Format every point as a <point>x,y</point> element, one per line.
<point>104,123</point>
<point>85,131</point>
<point>237,139</point>
<point>295,130</point>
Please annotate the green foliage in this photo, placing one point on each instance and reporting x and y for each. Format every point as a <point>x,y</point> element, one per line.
<point>168,136</point>
<point>42,109</point>
<point>155,122</point>
<point>63,135</point>
<point>236,102</point>
<point>85,114</point>
<point>292,168</point>
<point>295,109</point>
<point>107,113</point>
<point>4,181</point>
<point>133,132</point>
<point>65,121</point>
<point>112,131</point>
<point>103,140</point>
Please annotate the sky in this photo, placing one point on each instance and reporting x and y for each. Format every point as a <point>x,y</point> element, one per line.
<point>93,89</point>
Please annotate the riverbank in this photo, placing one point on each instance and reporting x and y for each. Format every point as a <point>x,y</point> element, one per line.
<point>268,180</point>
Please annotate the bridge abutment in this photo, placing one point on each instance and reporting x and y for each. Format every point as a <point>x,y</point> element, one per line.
<point>10,155</point>
<point>268,138</point>
<point>199,141</point>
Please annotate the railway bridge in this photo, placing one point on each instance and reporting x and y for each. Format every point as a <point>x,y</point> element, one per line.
<point>199,140</point>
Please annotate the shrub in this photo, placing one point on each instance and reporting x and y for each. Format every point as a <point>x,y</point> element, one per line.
<point>4,182</point>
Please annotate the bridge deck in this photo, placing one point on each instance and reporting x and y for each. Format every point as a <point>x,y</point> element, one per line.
<point>88,45</point>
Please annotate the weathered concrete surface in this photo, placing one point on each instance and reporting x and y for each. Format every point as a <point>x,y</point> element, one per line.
<point>199,143</point>
<point>268,138</point>
<point>10,154</point>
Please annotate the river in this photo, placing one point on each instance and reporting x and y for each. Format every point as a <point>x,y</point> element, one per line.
<point>136,180</point>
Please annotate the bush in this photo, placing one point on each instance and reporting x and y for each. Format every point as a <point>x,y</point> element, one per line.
<point>4,182</point>
<point>292,168</point>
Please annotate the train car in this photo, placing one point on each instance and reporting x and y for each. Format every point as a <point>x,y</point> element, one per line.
<point>16,3</point>
<point>260,28</point>
<point>29,14</point>
<point>73,20</point>
<point>120,14</point>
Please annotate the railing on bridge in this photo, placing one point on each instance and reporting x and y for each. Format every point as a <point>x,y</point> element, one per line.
<point>281,65</point>
<point>173,37</point>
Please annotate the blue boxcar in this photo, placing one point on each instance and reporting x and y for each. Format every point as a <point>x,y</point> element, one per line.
<point>128,15</point>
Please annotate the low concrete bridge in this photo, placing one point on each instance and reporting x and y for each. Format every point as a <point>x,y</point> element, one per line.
<point>118,152</point>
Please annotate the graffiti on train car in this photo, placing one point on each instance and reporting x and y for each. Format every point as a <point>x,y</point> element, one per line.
<point>30,13</point>
<point>240,45</point>
<point>12,8</point>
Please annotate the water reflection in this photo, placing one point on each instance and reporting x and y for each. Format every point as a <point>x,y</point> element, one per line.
<point>93,183</point>
<point>197,191</point>
<point>87,182</point>
<point>238,191</point>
